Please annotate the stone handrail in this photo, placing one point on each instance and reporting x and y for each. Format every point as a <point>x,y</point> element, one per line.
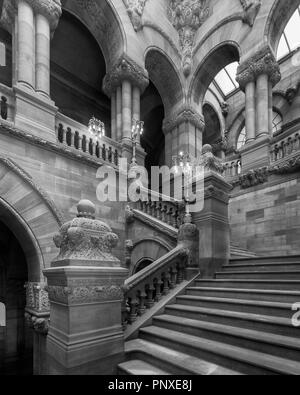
<point>284,146</point>
<point>233,168</point>
<point>7,103</point>
<point>75,135</point>
<point>147,287</point>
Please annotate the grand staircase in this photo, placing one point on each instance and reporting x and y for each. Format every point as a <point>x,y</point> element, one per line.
<point>238,323</point>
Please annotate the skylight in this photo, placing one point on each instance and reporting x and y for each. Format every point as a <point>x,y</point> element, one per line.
<point>226,79</point>
<point>290,39</point>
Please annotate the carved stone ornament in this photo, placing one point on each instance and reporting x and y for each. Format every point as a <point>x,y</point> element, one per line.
<point>37,297</point>
<point>50,9</point>
<point>187,16</point>
<point>291,93</point>
<point>253,178</point>
<point>210,162</point>
<point>86,239</point>
<point>287,166</point>
<point>39,324</point>
<point>251,10</point>
<point>125,69</point>
<point>263,62</point>
<point>185,114</point>
<point>135,10</point>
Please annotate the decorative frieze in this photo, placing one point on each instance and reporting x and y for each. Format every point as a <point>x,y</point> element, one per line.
<point>253,178</point>
<point>185,114</point>
<point>50,9</point>
<point>187,16</point>
<point>37,297</point>
<point>135,10</point>
<point>125,69</point>
<point>251,10</point>
<point>263,62</point>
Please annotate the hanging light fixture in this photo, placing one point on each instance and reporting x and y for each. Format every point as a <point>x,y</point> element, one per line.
<point>96,128</point>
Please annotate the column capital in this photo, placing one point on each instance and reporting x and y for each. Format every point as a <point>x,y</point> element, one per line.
<point>263,62</point>
<point>125,69</point>
<point>50,9</point>
<point>37,307</point>
<point>184,114</point>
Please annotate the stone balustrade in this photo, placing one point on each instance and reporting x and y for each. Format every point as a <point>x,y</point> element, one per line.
<point>233,168</point>
<point>76,136</point>
<point>149,286</point>
<point>7,103</point>
<point>284,146</point>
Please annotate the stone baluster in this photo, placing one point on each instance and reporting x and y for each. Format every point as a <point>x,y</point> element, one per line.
<point>133,305</point>
<point>80,142</point>
<point>166,279</point>
<point>150,301</point>
<point>72,138</point>
<point>142,305</point>
<point>158,294</point>
<point>173,279</point>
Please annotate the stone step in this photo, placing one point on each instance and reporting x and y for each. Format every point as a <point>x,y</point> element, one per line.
<point>263,267</point>
<point>266,260</point>
<point>176,362</point>
<point>259,275</point>
<point>289,285</point>
<point>232,357</point>
<point>280,346</point>
<point>277,325</point>
<point>140,368</point>
<point>250,306</point>
<point>248,294</point>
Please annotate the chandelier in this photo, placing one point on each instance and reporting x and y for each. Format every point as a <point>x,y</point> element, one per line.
<point>96,128</point>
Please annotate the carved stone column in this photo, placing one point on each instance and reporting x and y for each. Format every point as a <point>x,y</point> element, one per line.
<point>213,221</point>
<point>31,23</point>
<point>37,314</point>
<point>257,76</point>
<point>183,132</point>
<point>85,285</point>
<point>127,81</point>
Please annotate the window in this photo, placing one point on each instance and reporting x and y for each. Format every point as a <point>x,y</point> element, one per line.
<point>242,138</point>
<point>290,39</point>
<point>226,79</point>
<point>2,315</point>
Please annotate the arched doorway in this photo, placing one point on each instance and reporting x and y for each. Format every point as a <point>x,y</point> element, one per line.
<point>15,337</point>
<point>142,265</point>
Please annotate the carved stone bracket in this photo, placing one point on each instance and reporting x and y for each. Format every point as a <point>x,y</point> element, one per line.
<point>135,10</point>
<point>263,62</point>
<point>187,16</point>
<point>51,9</point>
<point>125,69</point>
<point>185,114</point>
<point>287,166</point>
<point>251,10</point>
<point>37,307</point>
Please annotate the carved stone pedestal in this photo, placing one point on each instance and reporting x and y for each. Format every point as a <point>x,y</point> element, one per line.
<point>85,285</point>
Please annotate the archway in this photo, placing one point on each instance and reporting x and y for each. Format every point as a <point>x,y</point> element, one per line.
<point>15,337</point>
<point>77,70</point>
<point>212,131</point>
<point>141,265</point>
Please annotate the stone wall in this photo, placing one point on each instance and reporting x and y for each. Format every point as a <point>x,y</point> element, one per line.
<point>267,220</point>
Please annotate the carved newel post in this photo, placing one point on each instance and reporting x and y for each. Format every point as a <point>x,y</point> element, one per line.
<point>85,285</point>
<point>213,221</point>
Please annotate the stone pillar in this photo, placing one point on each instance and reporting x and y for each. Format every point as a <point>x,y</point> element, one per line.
<point>37,315</point>
<point>261,72</point>
<point>31,23</point>
<point>213,221</point>
<point>129,80</point>
<point>85,285</point>
<point>114,116</point>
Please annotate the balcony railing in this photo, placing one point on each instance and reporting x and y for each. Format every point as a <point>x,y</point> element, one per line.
<point>233,168</point>
<point>76,136</point>
<point>285,146</point>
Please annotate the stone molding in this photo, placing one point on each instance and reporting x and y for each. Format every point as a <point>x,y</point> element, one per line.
<point>50,9</point>
<point>264,62</point>
<point>252,178</point>
<point>212,192</point>
<point>251,10</point>
<point>135,10</point>
<point>289,165</point>
<point>185,114</point>
<point>28,179</point>
<point>187,16</point>
<point>125,70</point>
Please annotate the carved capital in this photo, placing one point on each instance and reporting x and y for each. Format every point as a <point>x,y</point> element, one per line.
<point>86,239</point>
<point>187,16</point>
<point>263,62</point>
<point>185,114</point>
<point>50,9</point>
<point>135,10</point>
<point>37,298</point>
<point>251,10</point>
<point>125,69</point>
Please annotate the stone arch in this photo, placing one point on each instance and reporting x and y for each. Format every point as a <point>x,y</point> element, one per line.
<point>151,249</point>
<point>236,127</point>
<point>216,59</point>
<point>213,123</point>
<point>31,215</point>
<point>103,21</point>
<point>279,16</point>
<point>165,76</point>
